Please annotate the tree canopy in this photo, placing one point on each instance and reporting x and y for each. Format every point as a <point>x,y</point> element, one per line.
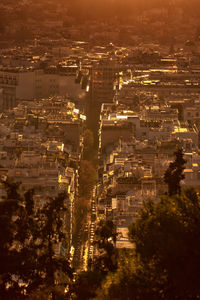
<point>174,174</point>
<point>167,243</point>
<point>88,145</point>
<point>28,260</point>
<point>105,261</point>
<point>87,178</point>
<point>105,239</point>
<point>166,259</point>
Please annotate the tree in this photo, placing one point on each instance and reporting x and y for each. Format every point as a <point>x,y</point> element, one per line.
<point>16,220</point>
<point>166,238</point>
<point>166,259</point>
<point>28,237</point>
<point>86,285</point>
<point>87,179</point>
<point>53,270</point>
<point>105,240</point>
<point>122,284</point>
<point>88,145</point>
<point>174,173</point>
<point>104,262</point>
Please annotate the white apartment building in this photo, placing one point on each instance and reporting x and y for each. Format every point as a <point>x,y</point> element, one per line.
<point>26,84</point>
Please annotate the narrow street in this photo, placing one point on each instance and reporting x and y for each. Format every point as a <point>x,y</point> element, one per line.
<point>92,226</point>
<point>84,250</point>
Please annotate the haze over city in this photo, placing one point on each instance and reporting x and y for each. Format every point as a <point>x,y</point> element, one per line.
<point>99,149</point>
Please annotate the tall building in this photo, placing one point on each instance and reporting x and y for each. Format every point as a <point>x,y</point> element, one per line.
<point>26,84</point>
<point>102,78</point>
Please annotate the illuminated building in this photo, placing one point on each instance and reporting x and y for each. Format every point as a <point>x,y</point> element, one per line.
<point>103,76</point>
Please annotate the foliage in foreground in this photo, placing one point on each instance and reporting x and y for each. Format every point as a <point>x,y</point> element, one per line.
<point>164,264</point>
<point>174,173</point>
<point>105,261</point>
<point>166,261</point>
<point>28,238</point>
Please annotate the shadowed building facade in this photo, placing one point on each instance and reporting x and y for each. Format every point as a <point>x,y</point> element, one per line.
<point>103,77</point>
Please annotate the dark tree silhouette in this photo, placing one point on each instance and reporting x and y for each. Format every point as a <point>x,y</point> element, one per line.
<point>87,283</point>
<point>166,259</point>
<point>167,243</point>
<point>88,143</point>
<point>28,260</point>
<point>174,173</point>
<point>87,178</point>
<point>105,239</point>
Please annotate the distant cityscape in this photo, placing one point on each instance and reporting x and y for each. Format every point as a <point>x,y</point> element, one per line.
<point>135,94</point>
